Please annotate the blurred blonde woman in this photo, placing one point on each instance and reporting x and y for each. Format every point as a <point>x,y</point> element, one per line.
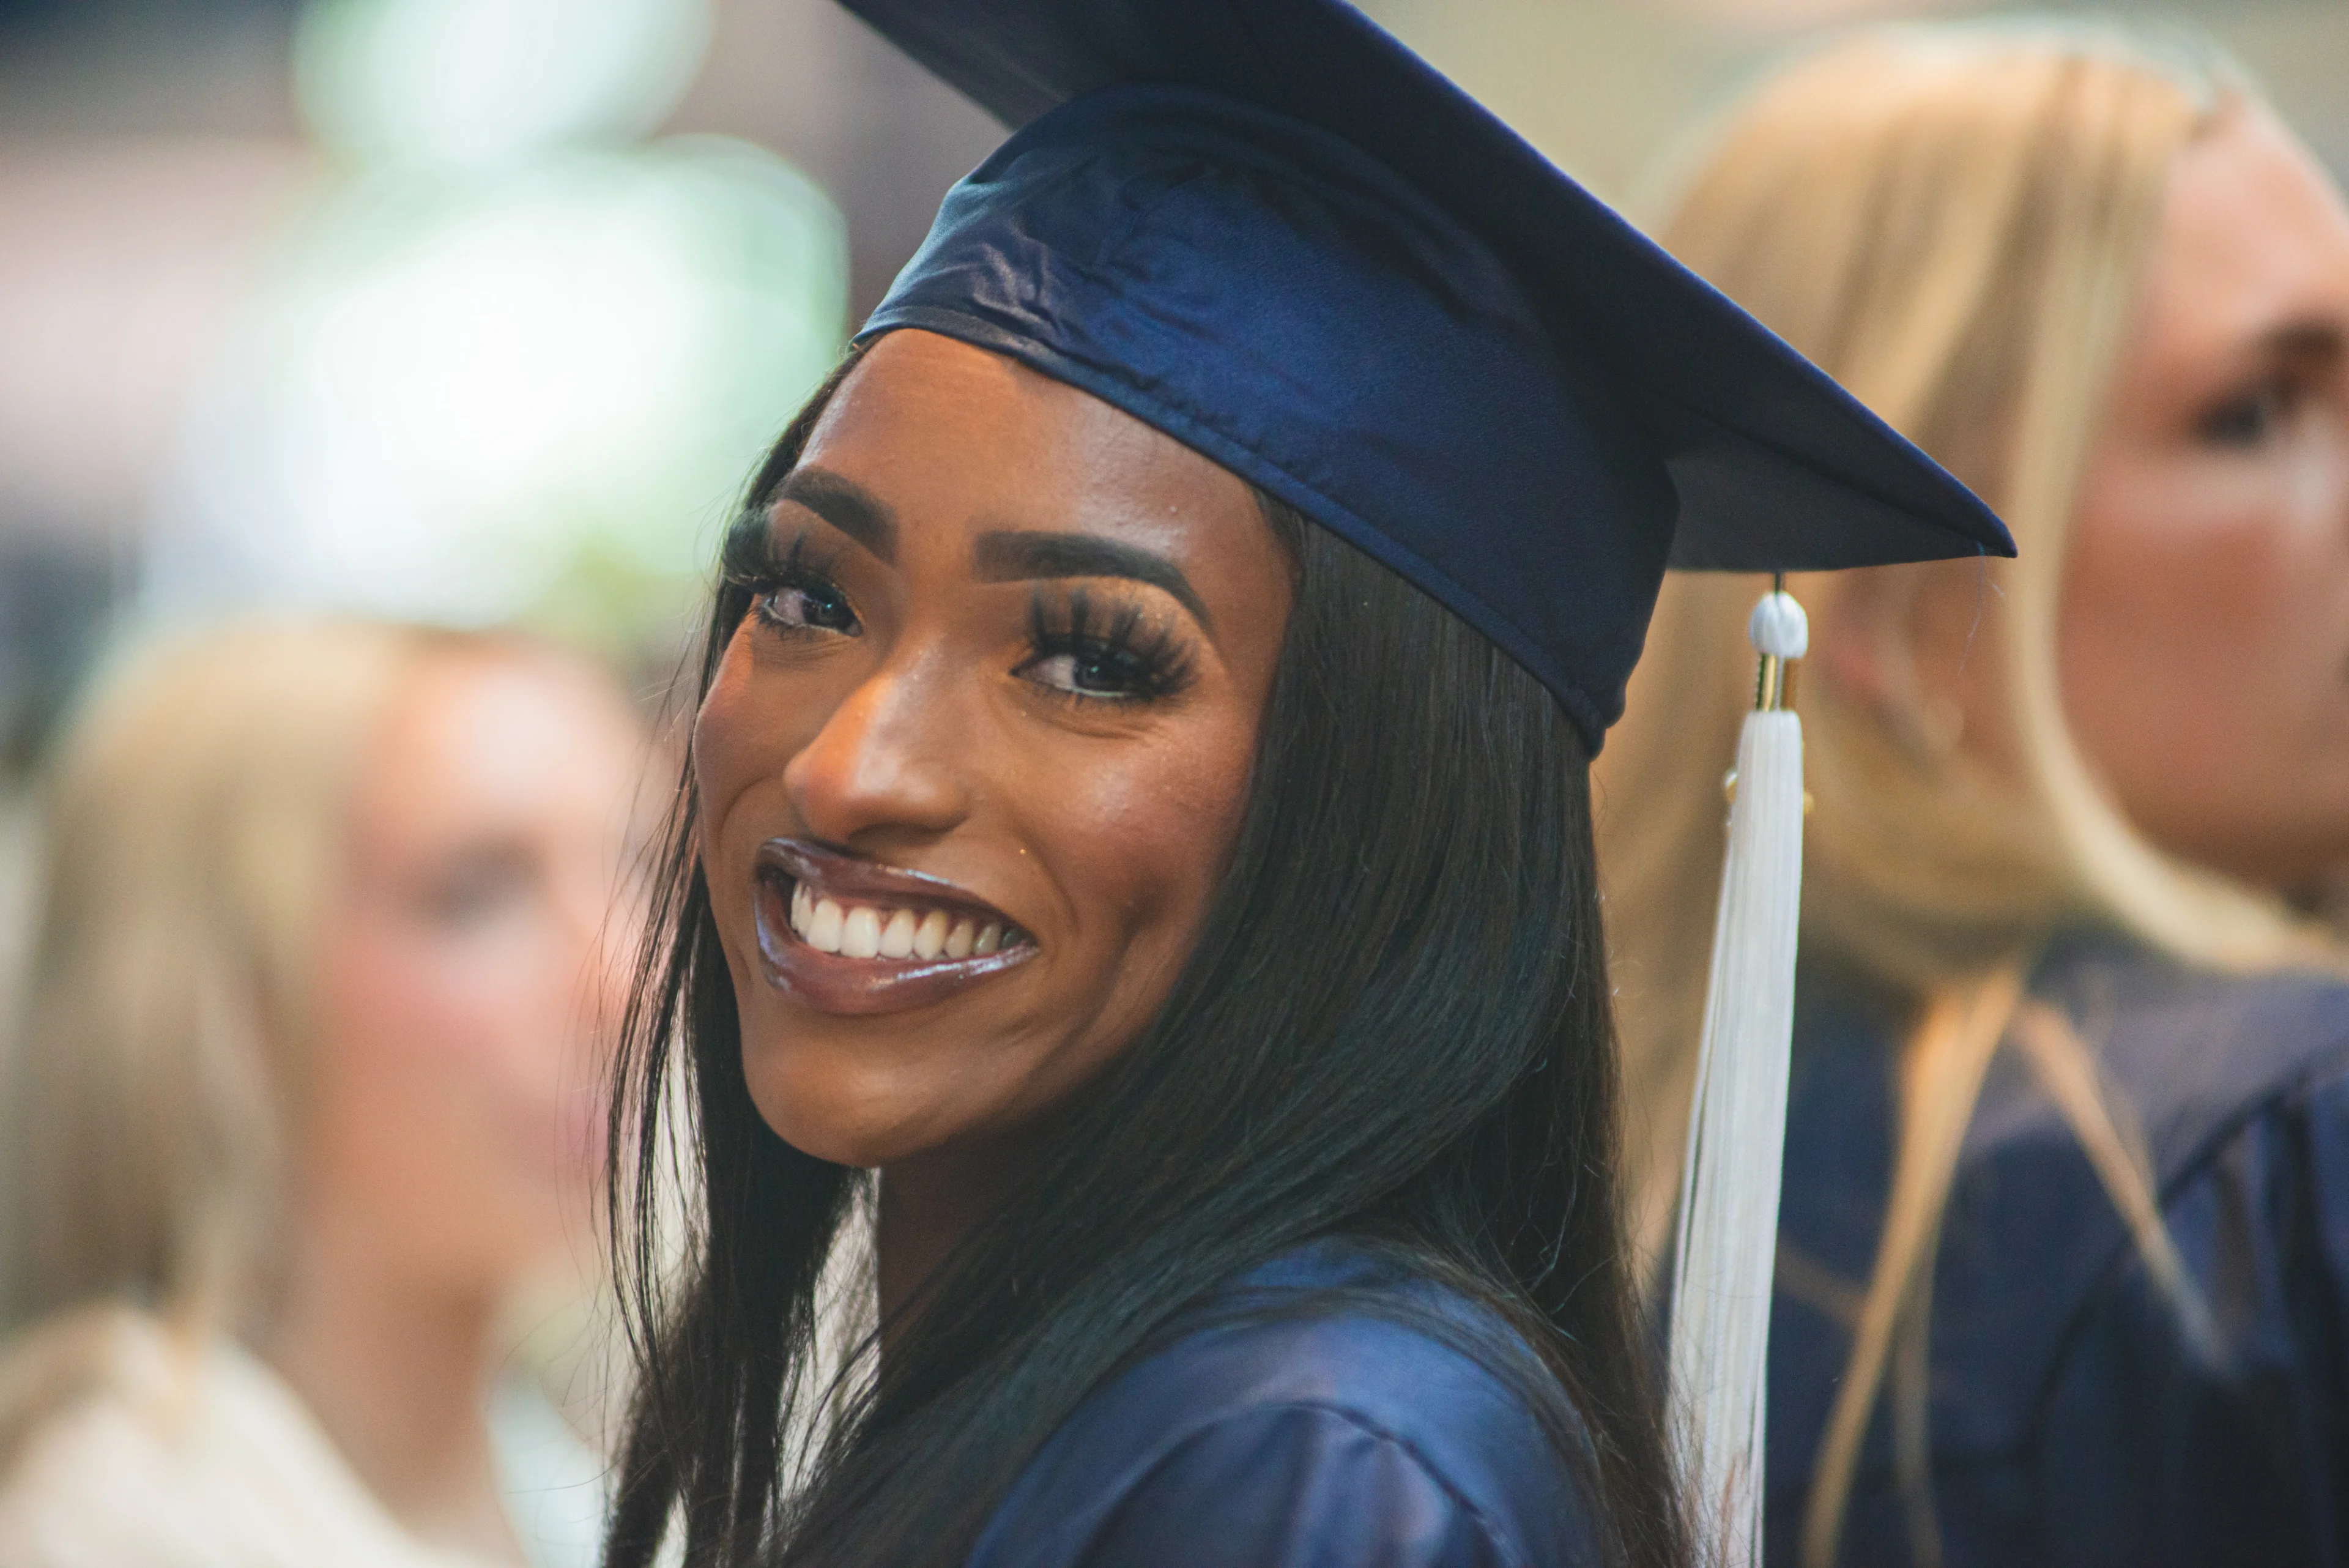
<point>307,1090</point>
<point>2064,1254</point>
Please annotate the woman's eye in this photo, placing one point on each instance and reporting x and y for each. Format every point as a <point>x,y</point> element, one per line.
<point>809,607</point>
<point>476,893</point>
<point>2248,419</point>
<point>1081,652</point>
<point>1087,674</point>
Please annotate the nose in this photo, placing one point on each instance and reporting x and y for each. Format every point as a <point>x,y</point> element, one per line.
<point>884,760</point>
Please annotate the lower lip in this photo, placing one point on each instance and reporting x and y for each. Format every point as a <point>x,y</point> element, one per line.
<point>830,983</point>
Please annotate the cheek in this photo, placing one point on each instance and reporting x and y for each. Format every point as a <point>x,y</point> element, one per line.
<point>476,1012</point>
<point>2203,650</point>
<point>745,735</point>
<point>2204,596</point>
<point>455,1098</point>
<point>1142,845</point>
<point>727,746</point>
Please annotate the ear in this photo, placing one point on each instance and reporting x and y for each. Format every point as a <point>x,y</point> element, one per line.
<point>1913,644</point>
<point>1859,635</point>
<point>1957,660</point>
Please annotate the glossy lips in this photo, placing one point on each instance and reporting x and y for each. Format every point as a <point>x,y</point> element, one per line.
<point>846,935</point>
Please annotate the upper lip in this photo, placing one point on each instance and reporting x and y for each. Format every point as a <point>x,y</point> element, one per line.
<point>846,878</point>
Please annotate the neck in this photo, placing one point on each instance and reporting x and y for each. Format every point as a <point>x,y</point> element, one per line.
<point>928,1203</point>
<point>396,1370</point>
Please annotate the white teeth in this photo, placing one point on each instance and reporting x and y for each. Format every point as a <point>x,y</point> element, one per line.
<point>862,932</point>
<point>861,937</point>
<point>930,936</point>
<point>825,927</point>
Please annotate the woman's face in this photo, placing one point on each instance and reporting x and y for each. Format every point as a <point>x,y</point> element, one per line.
<point>472,962</point>
<point>2204,623</point>
<point>973,762</point>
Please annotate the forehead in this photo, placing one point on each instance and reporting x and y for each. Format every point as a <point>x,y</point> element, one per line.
<point>2253,233</point>
<point>944,433</point>
<point>478,737</point>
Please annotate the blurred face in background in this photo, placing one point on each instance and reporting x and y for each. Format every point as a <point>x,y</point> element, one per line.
<point>471,970</point>
<point>2204,623</point>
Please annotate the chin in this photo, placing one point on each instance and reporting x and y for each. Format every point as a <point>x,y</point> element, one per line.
<point>828,1108</point>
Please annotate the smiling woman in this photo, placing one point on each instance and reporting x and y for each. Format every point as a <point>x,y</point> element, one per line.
<point>1154,809</point>
<point>1136,832</point>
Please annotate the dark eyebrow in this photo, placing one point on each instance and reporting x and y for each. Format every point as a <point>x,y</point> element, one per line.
<point>1004,557</point>
<point>2307,340</point>
<point>847,505</point>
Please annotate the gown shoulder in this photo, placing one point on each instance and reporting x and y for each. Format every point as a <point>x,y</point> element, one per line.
<point>1358,1429</point>
<point>2080,1412</point>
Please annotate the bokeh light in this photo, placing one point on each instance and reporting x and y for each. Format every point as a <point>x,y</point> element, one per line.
<point>480,81</point>
<point>506,366</point>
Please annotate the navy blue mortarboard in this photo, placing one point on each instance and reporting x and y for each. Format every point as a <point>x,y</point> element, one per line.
<point>1270,230</point>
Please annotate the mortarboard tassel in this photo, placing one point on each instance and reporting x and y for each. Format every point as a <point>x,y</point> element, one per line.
<point>1728,1233</point>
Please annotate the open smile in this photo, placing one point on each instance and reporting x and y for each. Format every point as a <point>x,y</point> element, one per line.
<point>846,934</point>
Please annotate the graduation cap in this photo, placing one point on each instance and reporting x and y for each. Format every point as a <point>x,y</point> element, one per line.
<point>1270,230</point>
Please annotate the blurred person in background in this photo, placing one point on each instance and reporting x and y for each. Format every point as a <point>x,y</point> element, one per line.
<point>307,1090</point>
<point>2064,1249</point>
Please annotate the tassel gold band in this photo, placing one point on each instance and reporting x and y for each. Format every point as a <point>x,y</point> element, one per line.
<point>1774,684</point>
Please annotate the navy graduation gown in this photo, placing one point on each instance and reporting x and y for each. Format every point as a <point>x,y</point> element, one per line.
<point>1343,1439</point>
<point>2073,1421</point>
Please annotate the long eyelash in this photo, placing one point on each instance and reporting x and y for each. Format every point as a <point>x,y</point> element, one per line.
<point>752,569</point>
<point>750,559</point>
<point>750,563</point>
<point>1154,656</point>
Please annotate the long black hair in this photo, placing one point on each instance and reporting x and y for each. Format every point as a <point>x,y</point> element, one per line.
<point>1395,1028</point>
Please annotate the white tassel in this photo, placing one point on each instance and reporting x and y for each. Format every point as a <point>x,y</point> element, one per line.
<point>1728,1235</point>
